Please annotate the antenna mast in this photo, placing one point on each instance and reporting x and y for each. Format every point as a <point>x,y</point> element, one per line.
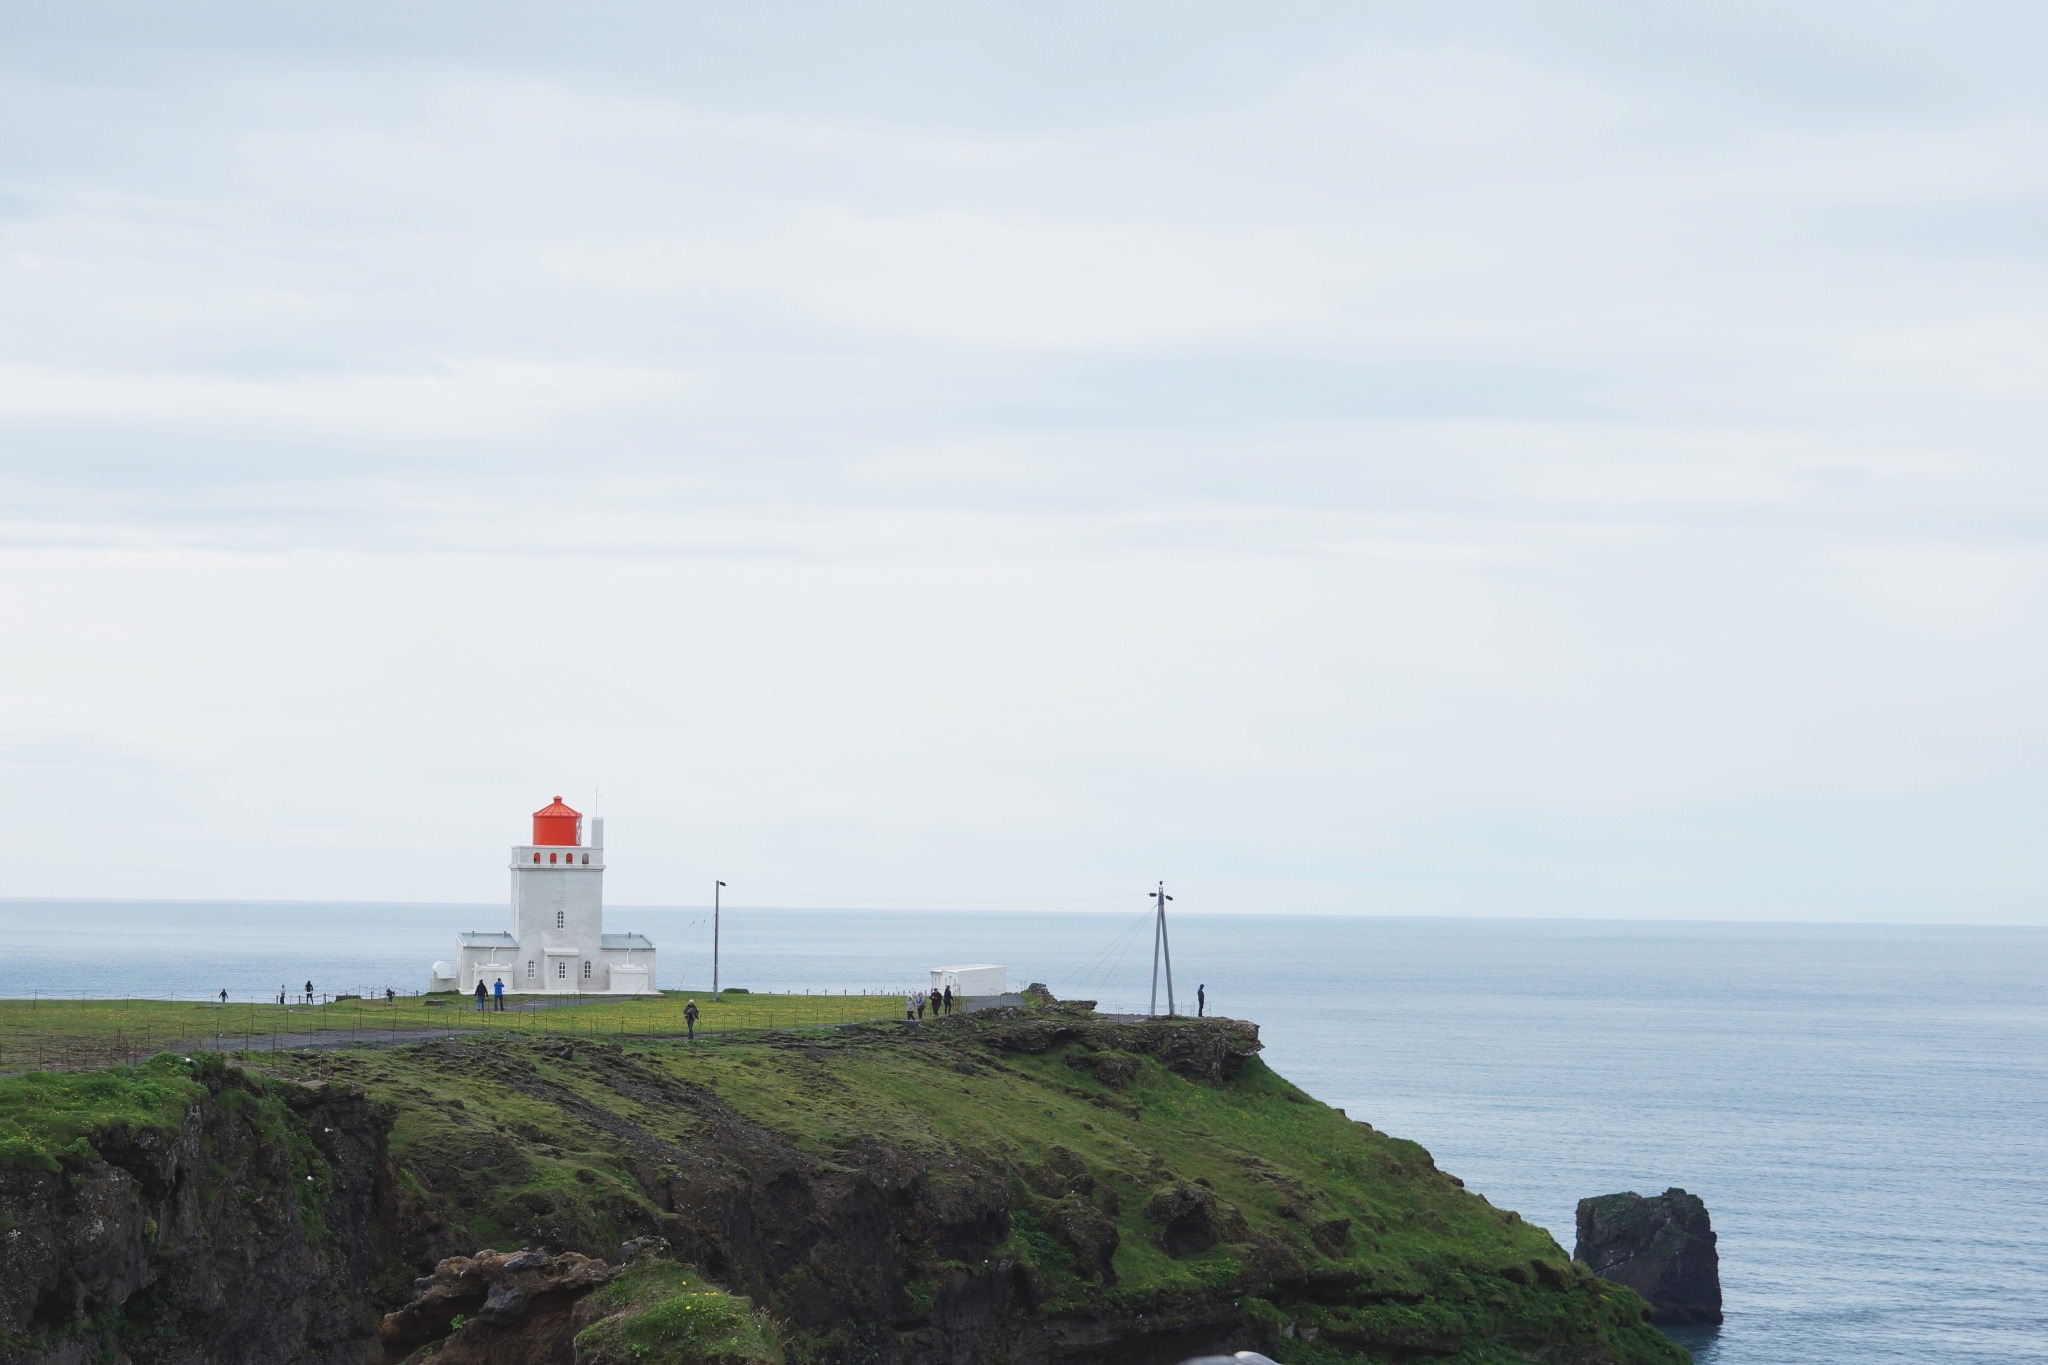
<point>1161,946</point>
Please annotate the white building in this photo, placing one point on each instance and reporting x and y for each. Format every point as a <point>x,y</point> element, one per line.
<point>557,942</point>
<point>974,981</point>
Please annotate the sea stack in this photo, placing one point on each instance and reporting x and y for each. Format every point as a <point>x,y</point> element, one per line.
<point>1661,1247</point>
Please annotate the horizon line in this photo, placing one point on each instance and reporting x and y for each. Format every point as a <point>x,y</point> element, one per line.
<point>1027,907</point>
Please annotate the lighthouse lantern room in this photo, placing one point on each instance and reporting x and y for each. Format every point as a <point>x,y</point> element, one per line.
<point>557,943</point>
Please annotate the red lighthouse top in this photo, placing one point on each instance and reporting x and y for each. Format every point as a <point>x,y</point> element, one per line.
<point>555,824</point>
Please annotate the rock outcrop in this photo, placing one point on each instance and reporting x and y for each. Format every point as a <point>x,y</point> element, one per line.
<point>1192,1219</point>
<point>1661,1247</point>
<point>497,1308</point>
<point>1199,1049</point>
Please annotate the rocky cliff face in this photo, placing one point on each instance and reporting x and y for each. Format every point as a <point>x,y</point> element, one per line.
<point>1661,1247</point>
<point>499,1309</point>
<point>247,1235</point>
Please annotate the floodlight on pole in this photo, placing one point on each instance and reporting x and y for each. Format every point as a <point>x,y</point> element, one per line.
<point>1161,946</point>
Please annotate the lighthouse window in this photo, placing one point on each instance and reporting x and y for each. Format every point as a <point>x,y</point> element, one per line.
<point>586,858</point>
<point>536,857</point>
<point>559,915</point>
<point>551,857</point>
<point>529,968</point>
<point>561,971</point>
<point>586,970</point>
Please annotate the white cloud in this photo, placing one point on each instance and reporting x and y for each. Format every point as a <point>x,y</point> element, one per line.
<point>1434,460</point>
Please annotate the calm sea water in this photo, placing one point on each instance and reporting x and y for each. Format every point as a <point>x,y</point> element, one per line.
<point>1864,1109</point>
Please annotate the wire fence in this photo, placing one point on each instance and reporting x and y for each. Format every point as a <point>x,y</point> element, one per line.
<point>47,1033</point>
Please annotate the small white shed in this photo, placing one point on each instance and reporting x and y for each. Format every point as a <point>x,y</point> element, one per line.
<point>629,978</point>
<point>973,980</point>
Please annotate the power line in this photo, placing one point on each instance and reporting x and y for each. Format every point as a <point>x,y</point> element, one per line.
<point>1099,968</point>
<point>945,904</point>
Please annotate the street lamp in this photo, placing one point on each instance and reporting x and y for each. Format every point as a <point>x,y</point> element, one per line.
<point>715,888</point>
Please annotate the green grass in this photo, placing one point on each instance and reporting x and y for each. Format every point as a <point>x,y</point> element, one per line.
<point>53,1120</point>
<point>91,1034</point>
<point>46,1117</point>
<point>670,1316</point>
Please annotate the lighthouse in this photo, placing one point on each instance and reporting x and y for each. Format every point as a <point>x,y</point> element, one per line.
<point>556,943</point>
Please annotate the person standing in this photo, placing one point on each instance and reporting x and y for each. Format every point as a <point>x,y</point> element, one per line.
<point>223,995</point>
<point>481,995</point>
<point>390,996</point>
<point>1201,1000</point>
<point>498,990</point>
<point>949,997</point>
<point>309,992</point>
<point>690,1019</point>
<point>910,1007</point>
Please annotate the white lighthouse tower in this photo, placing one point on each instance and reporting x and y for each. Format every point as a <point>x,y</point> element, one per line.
<point>557,943</point>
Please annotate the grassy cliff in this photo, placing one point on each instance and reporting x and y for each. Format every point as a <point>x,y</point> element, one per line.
<point>1018,1186</point>
<point>190,1210</point>
<point>1041,1185</point>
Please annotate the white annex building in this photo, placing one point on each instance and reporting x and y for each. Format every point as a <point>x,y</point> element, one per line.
<point>557,941</point>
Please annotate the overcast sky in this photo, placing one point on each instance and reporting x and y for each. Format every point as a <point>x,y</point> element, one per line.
<point>1577,459</point>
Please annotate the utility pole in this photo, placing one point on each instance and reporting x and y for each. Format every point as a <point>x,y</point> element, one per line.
<point>1161,946</point>
<point>715,886</point>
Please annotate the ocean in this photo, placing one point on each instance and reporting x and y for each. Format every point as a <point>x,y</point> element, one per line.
<point>1863,1108</point>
